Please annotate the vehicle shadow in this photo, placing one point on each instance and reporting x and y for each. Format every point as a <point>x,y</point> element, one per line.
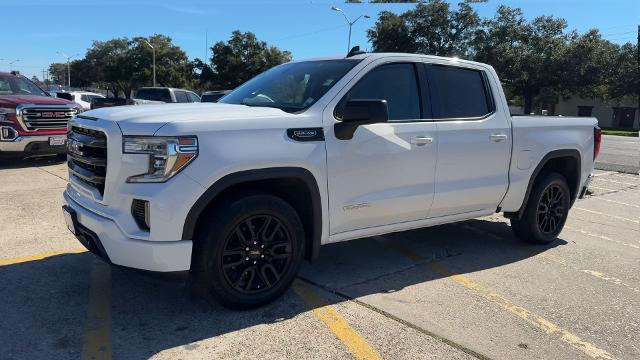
<point>17,163</point>
<point>44,303</point>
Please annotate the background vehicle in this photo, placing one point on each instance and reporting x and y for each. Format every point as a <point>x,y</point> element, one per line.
<point>168,95</point>
<point>109,102</point>
<point>31,121</point>
<point>315,152</point>
<point>213,96</point>
<point>84,98</point>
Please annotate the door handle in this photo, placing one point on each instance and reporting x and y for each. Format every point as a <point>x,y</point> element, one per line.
<point>421,140</point>
<point>498,137</point>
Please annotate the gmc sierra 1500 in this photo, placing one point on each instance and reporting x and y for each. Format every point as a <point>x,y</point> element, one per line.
<point>310,153</point>
<point>31,121</point>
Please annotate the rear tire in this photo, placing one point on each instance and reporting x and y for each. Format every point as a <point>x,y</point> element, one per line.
<point>248,252</point>
<point>546,210</point>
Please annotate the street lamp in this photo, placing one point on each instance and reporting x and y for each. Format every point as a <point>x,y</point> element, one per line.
<point>11,64</point>
<point>349,22</point>
<point>68,66</point>
<point>154,60</point>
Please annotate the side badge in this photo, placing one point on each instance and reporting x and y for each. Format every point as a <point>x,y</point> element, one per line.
<point>306,134</point>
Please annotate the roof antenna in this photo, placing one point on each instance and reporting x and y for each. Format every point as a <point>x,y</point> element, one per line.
<point>355,51</point>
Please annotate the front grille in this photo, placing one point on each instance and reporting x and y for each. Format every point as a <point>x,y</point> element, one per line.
<point>87,156</point>
<point>46,118</point>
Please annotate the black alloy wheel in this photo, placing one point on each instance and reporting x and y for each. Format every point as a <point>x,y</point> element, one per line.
<point>257,254</point>
<point>247,250</point>
<point>551,209</point>
<point>546,210</point>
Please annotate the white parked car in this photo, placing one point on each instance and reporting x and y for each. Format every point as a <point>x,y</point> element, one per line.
<point>314,152</point>
<point>84,98</point>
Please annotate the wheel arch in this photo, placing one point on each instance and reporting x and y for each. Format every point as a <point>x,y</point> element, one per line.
<point>295,185</point>
<point>566,162</point>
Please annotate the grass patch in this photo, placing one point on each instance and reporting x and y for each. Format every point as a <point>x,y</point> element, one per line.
<point>620,132</point>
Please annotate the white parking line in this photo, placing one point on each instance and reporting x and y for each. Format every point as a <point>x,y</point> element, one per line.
<point>601,188</point>
<point>601,237</point>
<point>605,214</point>
<point>613,201</point>
<point>620,182</point>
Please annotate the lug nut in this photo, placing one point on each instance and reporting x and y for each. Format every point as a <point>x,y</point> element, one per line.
<point>247,259</point>
<point>255,243</point>
<point>255,262</point>
<point>261,256</point>
<point>262,246</point>
<point>247,249</point>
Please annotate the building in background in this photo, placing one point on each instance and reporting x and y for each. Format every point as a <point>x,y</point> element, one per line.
<point>620,114</point>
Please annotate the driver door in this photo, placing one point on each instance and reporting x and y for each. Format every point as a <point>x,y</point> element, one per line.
<point>385,174</point>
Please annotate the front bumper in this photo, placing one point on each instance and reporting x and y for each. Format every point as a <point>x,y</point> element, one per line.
<point>32,144</point>
<point>104,238</point>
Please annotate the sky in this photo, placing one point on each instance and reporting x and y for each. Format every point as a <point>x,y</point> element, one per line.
<point>33,31</point>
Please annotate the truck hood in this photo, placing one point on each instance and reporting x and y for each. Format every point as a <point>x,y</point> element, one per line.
<point>147,119</point>
<point>32,99</point>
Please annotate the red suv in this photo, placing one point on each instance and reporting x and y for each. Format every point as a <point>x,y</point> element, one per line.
<point>31,121</point>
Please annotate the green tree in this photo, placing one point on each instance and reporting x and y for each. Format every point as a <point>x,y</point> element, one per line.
<point>528,56</point>
<point>172,64</point>
<point>242,57</point>
<point>625,77</point>
<point>431,28</point>
<point>58,73</point>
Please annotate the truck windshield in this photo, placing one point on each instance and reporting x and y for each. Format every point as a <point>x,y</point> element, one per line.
<point>291,87</point>
<point>18,85</point>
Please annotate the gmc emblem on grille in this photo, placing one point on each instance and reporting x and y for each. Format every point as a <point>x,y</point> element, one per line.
<point>54,114</point>
<point>74,147</point>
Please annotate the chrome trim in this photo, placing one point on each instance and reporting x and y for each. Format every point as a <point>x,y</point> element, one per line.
<point>20,110</point>
<point>20,143</point>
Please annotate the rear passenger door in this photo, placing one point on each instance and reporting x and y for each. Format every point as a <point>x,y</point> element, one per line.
<point>385,174</point>
<point>474,140</point>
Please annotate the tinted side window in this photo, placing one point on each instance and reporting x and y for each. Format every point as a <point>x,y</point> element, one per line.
<point>457,92</point>
<point>193,97</point>
<point>395,83</point>
<point>181,97</point>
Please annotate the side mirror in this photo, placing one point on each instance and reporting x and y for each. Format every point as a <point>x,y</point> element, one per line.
<point>360,112</point>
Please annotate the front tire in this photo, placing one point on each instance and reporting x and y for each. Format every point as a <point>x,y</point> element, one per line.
<point>546,210</point>
<point>248,252</point>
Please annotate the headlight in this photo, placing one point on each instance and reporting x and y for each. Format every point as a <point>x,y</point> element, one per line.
<point>4,114</point>
<point>167,155</point>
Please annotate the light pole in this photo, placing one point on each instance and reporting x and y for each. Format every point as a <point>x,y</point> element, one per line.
<point>153,50</point>
<point>68,66</point>
<point>349,22</point>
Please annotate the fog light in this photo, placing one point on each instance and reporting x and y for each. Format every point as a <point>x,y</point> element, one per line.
<point>140,213</point>
<point>7,133</point>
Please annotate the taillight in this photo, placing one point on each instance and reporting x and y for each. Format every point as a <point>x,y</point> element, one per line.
<point>597,139</point>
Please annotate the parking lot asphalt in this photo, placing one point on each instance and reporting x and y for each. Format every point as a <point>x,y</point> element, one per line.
<point>619,153</point>
<point>456,291</point>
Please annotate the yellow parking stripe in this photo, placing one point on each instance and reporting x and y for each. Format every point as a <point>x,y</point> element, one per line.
<point>97,336</point>
<point>533,319</point>
<point>41,256</point>
<point>336,323</point>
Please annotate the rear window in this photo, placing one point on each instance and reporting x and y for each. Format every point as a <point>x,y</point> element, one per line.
<point>181,97</point>
<point>154,95</point>
<point>211,97</point>
<point>458,92</point>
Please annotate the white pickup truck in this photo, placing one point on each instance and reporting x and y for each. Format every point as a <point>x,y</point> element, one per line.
<point>240,192</point>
